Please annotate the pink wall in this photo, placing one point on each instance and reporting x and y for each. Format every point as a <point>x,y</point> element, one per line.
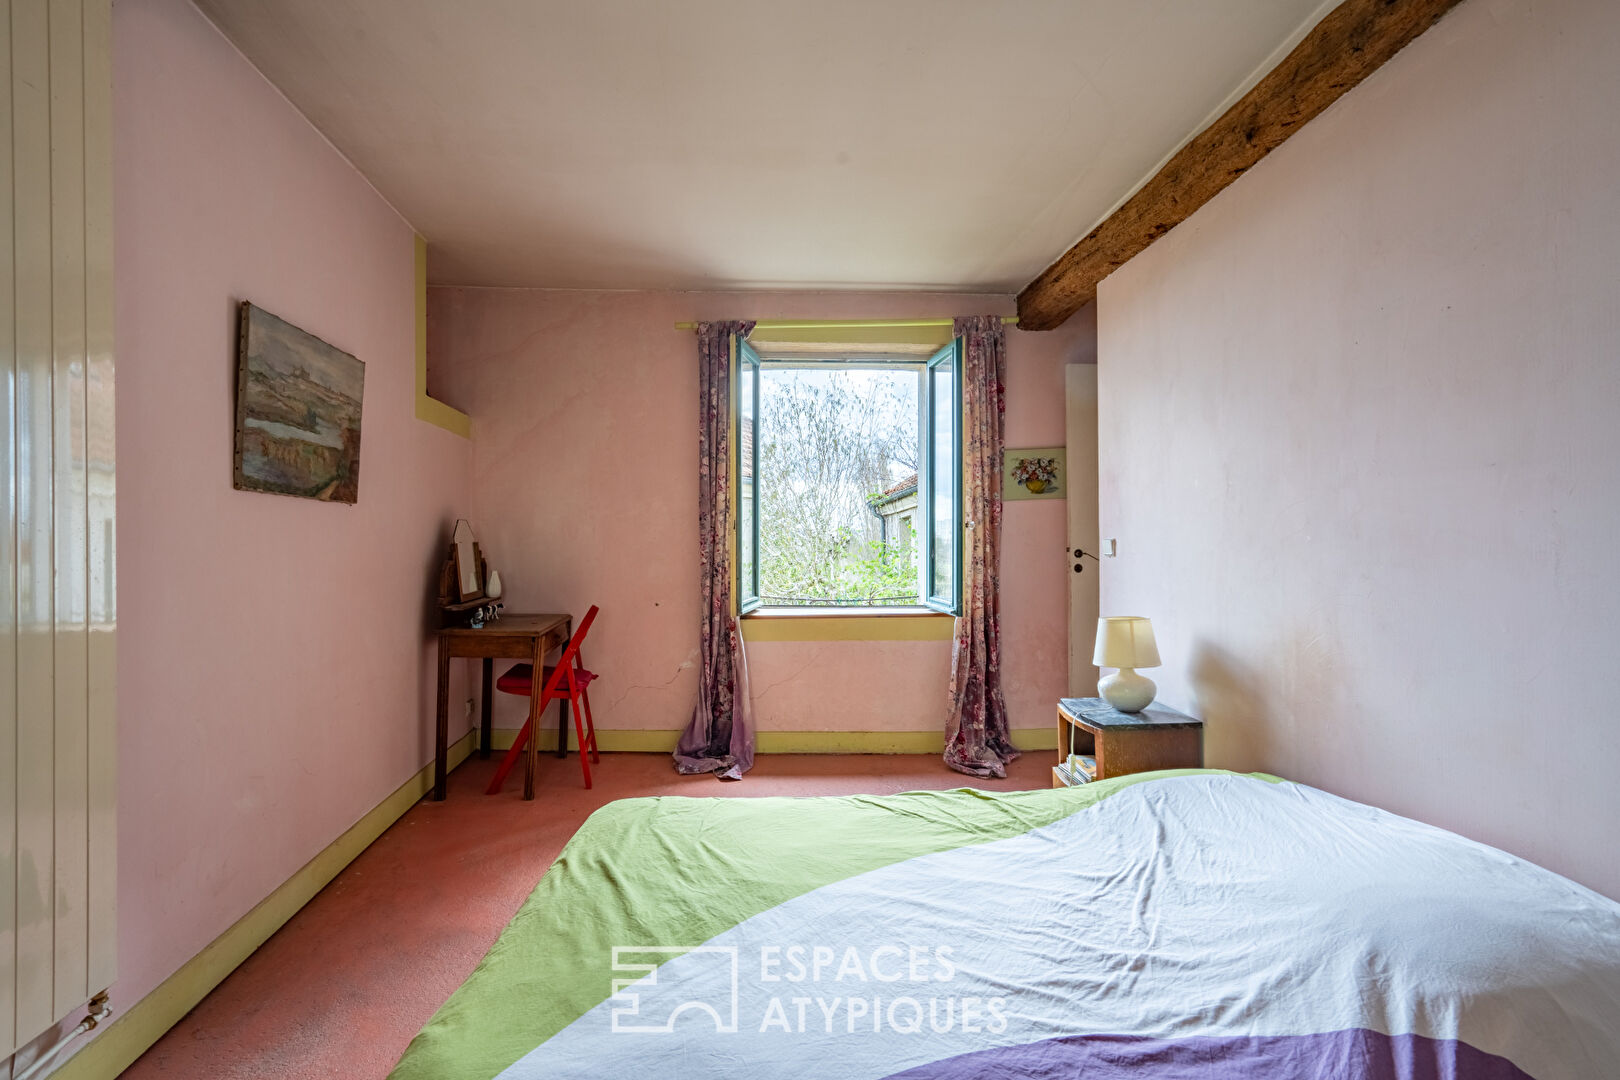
<point>274,680</point>
<point>585,491</point>
<point>1361,441</point>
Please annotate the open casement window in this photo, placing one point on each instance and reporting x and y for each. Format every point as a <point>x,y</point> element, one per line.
<point>848,477</point>
<point>746,367</point>
<point>939,480</point>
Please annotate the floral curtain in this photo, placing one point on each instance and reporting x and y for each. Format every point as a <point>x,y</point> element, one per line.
<point>977,739</point>
<point>720,738</point>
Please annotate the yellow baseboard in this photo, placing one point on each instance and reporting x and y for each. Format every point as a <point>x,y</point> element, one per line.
<point>883,742</point>
<point>129,1036</point>
<point>652,741</point>
<point>662,741</point>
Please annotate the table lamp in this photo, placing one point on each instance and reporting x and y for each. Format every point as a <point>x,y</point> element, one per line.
<point>1126,642</point>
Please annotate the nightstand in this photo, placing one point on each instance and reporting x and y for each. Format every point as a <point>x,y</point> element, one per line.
<point>1121,743</point>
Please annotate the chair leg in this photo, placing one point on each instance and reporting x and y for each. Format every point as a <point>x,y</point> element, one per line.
<point>590,726</point>
<point>584,757</point>
<point>510,760</point>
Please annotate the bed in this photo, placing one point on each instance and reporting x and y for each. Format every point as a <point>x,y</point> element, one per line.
<point>1183,924</point>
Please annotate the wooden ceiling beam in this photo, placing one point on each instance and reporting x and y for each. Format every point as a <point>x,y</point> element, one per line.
<point>1350,43</point>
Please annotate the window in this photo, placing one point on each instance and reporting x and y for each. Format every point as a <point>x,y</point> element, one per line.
<point>848,480</point>
<point>940,489</point>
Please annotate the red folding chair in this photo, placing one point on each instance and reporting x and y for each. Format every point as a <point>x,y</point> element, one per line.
<point>566,680</point>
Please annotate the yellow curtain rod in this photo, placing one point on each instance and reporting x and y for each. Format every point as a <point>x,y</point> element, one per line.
<point>845,324</point>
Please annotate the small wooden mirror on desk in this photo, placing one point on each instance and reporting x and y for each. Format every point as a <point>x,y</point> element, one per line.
<point>463,599</point>
<point>1097,742</point>
<point>472,625</point>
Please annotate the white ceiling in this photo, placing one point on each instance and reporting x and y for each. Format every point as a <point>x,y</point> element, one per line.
<point>927,144</point>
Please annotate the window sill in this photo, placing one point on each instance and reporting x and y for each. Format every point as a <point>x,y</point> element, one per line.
<point>847,624</point>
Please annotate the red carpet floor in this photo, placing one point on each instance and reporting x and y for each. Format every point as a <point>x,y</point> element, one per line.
<point>342,988</point>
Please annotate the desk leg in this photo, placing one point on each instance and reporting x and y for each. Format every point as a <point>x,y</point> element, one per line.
<point>486,730</point>
<point>441,743</point>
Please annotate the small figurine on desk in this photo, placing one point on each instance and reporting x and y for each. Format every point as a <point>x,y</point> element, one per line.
<point>487,613</point>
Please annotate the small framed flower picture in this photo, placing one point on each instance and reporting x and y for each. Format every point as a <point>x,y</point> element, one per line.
<point>1033,474</point>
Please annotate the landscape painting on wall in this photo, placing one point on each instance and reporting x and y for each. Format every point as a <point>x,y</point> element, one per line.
<point>297,412</point>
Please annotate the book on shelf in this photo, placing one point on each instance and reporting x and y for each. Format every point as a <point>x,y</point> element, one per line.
<point>1077,770</point>
<point>1082,766</point>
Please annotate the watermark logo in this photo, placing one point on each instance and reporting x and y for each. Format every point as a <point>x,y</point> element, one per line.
<point>798,989</point>
<point>649,1005</point>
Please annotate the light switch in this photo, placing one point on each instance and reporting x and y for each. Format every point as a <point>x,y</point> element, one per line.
<point>1108,547</point>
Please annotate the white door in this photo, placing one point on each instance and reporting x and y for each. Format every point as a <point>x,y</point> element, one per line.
<point>1080,415</point>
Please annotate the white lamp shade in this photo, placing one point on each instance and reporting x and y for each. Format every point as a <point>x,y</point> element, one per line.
<point>1125,641</point>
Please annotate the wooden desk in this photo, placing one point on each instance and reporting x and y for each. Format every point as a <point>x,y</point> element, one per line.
<point>512,637</point>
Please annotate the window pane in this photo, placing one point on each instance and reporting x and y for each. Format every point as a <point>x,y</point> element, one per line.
<point>942,449</point>
<point>745,480</point>
<point>838,449</point>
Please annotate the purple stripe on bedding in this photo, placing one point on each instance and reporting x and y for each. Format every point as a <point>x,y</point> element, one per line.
<point>1354,1054</point>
